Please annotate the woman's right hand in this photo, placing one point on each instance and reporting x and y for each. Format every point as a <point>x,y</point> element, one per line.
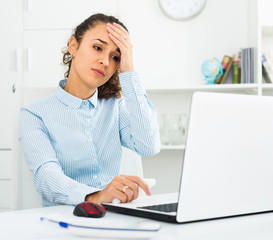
<point>123,187</point>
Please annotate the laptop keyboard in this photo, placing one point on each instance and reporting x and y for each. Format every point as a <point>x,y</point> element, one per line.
<point>169,207</point>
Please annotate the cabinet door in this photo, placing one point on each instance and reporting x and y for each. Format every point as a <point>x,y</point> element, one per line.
<point>5,190</point>
<point>10,65</point>
<point>6,114</point>
<point>43,51</point>
<point>5,165</point>
<point>64,14</point>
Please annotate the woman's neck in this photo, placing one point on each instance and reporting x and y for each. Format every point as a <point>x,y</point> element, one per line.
<point>78,90</point>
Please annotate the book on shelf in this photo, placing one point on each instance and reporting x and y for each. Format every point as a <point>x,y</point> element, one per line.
<point>267,68</point>
<point>236,69</point>
<point>235,75</point>
<point>240,66</point>
<point>225,63</point>
<point>247,65</point>
<point>228,70</point>
<point>251,65</point>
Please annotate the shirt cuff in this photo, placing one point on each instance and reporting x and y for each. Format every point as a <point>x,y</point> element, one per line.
<point>131,83</point>
<point>79,196</point>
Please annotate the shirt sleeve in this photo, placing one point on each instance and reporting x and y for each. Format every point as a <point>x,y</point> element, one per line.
<point>139,129</point>
<point>49,178</point>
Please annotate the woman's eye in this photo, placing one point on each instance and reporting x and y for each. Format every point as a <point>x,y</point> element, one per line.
<point>97,48</point>
<point>115,58</point>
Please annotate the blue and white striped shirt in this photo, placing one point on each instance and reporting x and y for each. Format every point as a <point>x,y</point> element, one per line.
<point>73,146</point>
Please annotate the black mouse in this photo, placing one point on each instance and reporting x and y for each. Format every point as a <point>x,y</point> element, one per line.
<point>89,209</point>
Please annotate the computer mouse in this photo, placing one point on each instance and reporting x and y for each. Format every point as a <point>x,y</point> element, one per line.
<point>89,209</point>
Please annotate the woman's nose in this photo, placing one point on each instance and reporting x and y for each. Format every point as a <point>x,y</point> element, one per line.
<point>104,61</point>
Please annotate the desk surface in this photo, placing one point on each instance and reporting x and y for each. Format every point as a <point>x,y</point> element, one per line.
<point>26,224</point>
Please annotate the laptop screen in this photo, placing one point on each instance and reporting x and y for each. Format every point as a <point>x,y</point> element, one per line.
<point>228,162</point>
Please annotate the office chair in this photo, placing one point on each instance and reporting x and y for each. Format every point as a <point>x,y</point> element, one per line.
<point>24,194</point>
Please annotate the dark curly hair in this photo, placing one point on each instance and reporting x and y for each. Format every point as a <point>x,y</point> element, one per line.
<point>112,86</point>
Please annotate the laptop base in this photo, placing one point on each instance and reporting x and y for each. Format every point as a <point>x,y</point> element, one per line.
<point>145,214</point>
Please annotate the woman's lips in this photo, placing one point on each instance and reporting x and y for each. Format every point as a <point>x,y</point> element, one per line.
<point>98,72</point>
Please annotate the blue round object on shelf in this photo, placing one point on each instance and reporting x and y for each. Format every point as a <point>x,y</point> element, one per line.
<point>212,69</point>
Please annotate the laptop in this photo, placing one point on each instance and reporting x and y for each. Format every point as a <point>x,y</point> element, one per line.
<point>228,163</point>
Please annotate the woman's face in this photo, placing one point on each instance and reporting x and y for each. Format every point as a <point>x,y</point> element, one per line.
<point>95,60</point>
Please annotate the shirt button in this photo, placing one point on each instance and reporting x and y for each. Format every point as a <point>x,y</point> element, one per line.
<point>90,140</point>
<point>84,103</point>
<point>95,177</point>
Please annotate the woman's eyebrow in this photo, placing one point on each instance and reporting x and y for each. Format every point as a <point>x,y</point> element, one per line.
<point>100,41</point>
<point>118,50</point>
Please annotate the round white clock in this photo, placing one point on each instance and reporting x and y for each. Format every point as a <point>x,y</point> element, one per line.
<point>181,9</point>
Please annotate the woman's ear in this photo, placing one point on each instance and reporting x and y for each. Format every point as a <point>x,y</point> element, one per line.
<point>72,46</point>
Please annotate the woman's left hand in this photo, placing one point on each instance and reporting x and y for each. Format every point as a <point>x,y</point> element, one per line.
<point>121,38</point>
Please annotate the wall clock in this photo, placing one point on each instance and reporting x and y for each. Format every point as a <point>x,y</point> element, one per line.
<point>181,9</point>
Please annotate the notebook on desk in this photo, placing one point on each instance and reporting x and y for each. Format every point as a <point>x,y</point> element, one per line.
<point>228,162</point>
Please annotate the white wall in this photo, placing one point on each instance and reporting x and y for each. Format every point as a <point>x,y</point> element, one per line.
<point>266,12</point>
<point>170,53</point>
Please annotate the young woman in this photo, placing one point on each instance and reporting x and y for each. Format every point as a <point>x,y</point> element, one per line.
<point>72,140</point>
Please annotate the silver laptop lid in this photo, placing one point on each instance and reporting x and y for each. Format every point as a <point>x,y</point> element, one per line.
<point>228,163</point>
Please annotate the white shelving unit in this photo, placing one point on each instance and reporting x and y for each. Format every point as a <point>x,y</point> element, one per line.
<point>11,73</point>
<point>166,99</point>
<point>173,147</point>
<point>210,88</point>
<point>266,22</point>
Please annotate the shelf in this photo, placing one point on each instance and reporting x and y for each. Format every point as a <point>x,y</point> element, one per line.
<point>172,147</point>
<point>267,30</point>
<point>212,87</point>
<point>267,86</point>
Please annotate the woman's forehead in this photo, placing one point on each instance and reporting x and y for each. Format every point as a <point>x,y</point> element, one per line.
<point>98,31</point>
<point>100,34</point>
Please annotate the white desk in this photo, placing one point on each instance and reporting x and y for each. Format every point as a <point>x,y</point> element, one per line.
<point>26,224</point>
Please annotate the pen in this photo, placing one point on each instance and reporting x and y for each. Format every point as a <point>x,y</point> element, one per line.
<point>60,223</point>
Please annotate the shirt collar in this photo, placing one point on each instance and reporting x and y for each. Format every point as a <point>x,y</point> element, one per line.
<point>71,100</point>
